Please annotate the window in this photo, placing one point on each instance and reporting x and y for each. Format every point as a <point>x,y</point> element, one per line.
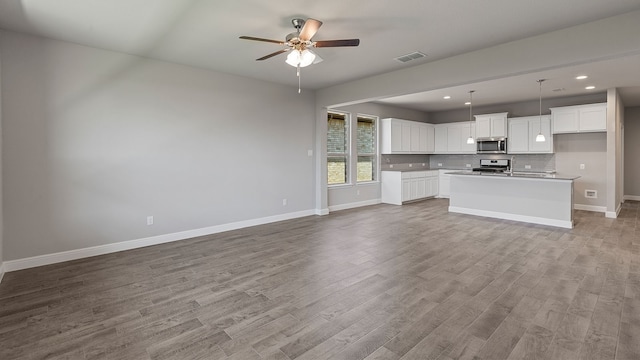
<point>366,147</point>
<point>337,148</point>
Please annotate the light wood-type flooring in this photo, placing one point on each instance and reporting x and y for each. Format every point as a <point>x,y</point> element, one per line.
<point>379,282</point>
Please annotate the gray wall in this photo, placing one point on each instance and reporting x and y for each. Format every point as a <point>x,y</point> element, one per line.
<point>1,202</point>
<point>632,151</point>
<point>525,108</point>
<point>95,141</point>
<point>590,149</point>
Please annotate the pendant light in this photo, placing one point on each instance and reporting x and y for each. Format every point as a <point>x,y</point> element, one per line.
<point>540,137</point>
<point>470,139</point>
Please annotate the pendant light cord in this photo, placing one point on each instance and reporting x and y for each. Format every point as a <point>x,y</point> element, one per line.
<point>470,110</point>
<point>540,82</point>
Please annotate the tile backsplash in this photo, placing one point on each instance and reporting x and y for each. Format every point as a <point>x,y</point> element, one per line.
<point>404,162</point>
<point>536,162</point>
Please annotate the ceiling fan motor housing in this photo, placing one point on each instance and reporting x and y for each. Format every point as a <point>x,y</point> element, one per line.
<point>297,23</point>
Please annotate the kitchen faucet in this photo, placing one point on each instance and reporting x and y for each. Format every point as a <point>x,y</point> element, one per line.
<point>513,160</point>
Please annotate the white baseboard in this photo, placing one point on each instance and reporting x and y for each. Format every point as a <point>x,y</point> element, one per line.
<point>515,217</point>
<point>47,259</point>
<point>354,205</point>
<point>594,208</point>
<point>613,214</point>
<point>1,271</point>
<point>631,197</point>
<point>324,211</point>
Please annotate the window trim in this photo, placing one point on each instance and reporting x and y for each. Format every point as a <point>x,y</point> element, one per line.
<point>347,154</point>
<point>376,150</point>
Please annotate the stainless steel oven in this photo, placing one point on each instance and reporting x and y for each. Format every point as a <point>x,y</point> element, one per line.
<point>491,145</point>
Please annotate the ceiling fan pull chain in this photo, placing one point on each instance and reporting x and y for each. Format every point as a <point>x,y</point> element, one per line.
<point>298,78</point>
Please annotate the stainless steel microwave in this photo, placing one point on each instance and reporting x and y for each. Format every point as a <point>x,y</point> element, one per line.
<point>491,145</point>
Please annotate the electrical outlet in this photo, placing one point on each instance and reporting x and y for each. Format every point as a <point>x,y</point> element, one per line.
<point>391,166</point>
<point>284,202</point>
<point>410,165</point>
<point>468,165</point>
<point>149,220</point>
<point>423,164</point>
<point>527,166</point>
<point>309,152</point>
<point>582,166</point>
<point>439,164</point>
<point>591,194</point>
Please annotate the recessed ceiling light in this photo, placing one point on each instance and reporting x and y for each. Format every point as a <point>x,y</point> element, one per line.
<point>581,77</point>
<point>590,87</point>
<point>467,103</point>
<point>447,97</point>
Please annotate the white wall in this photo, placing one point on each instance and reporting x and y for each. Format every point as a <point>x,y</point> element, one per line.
<point>589,149</point>
<point>615,121</point>
<point>632,152</point>
<point>95,141</point>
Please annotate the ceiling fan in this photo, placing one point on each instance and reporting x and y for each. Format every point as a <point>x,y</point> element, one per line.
<point>299,42</point>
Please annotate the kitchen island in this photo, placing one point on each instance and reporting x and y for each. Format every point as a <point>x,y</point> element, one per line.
<point>540,198</point>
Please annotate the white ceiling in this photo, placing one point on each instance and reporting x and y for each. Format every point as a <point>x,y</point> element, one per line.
<point>204,33</point>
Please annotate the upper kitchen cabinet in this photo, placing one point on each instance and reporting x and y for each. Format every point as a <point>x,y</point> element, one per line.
<point>406,137</point>
<point>491,125</point>
<point>579,118</point>
<point>523,132</point>
<point>451,138</point>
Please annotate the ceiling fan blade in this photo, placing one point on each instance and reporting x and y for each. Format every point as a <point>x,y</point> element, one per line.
<point>261,39</point>
<point>272,54</point>
<point>337,43</point>
<point>309,29</point>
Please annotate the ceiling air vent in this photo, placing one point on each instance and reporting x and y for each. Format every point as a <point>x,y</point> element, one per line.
<point>410,57</point>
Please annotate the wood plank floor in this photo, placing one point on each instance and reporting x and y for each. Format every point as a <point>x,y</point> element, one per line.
<point>381,282</point>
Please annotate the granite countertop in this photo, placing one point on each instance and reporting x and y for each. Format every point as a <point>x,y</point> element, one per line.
<point>516,174</point>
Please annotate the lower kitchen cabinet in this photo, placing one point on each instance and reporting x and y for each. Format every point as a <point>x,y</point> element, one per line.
<point>402,186</point>
<point>444,183</point>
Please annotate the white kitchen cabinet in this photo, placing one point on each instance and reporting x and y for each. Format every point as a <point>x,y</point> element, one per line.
<point>579,118</point>
<point>440,139</point>
<point>406,137</point>
<point>454,145</point>
<point>422,138</point>
<point>444,183</point>
<point>464,136</point>
<point>518,140</point>
<point>536,128</point>
<point>402,186</point>
<point>491,125</point>
<point>451,138</point>
<point>523,132</point>
<point>427,138</point>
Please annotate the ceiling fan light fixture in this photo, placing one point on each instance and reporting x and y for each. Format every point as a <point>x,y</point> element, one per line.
<point>300,58</point>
